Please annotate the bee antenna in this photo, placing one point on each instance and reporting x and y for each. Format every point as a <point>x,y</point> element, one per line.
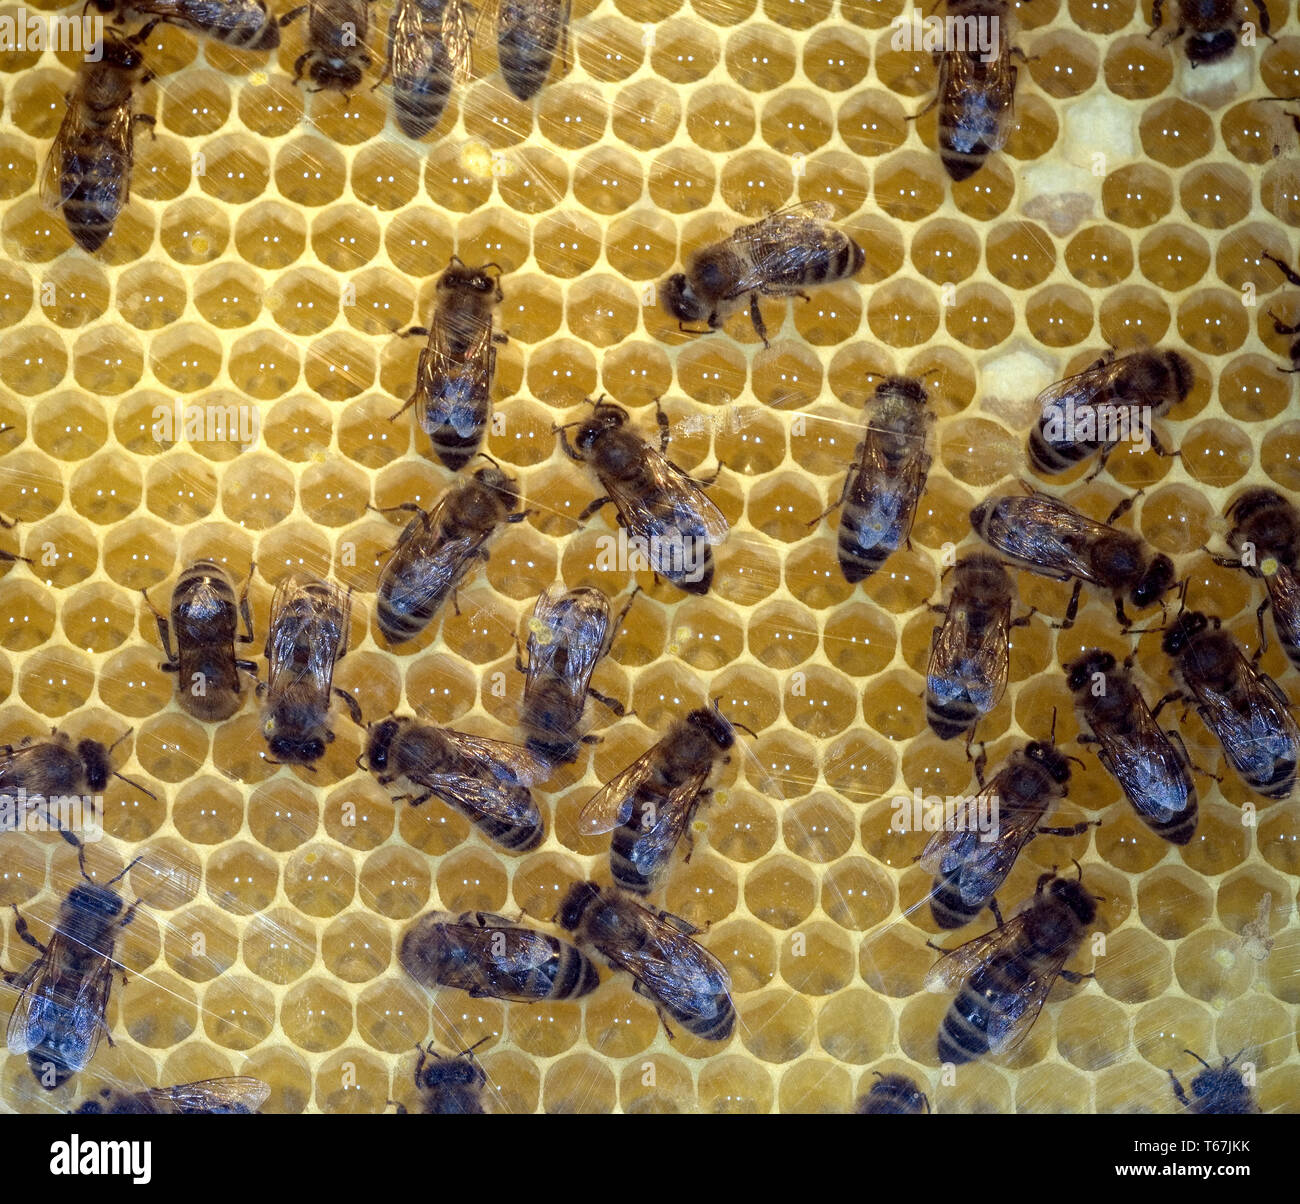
<point>120,738</point>
<point>749,731</point>
<point>357,761</point>
<point>926,1098</point>
<point>1052,736</point>
<point>133,782</point>
<point>1202,1061</point>
<point>455,259</point>
<point>878,1074</point>
<point>498,267</point>
<point>1078,867</point>
<point>126,870</point>
<point>1076,760</point>
<point>470,1050</point>
<point>489,459</point>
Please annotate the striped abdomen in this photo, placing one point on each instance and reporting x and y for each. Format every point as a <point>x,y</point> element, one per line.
<point>456,422</point>
<point>950,717</point>
<point>1050,456</point>
<point>518,835</point>
<point>1284,600</point>
<point>948,907</point>
<point>412,589</point>
<point>528,34</point>
<point>420,94</point>
<point>992,988</point>
<point>94,177</point>
<point>568,975</point>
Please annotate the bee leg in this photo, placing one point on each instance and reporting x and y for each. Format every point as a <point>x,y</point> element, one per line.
<point>245,610</point>
<point>1259,618</point>
<point>756,317</point>
<point>519,657</point>
<point>1023,621</point>
<point>1073,976</point>
<point>844,492</point>
<point>1074,830</point>
<point>613,703</point>
<point>1124,621</point>
<point>24,933</point>
<point>997,911</point>
<point>922,112</point>
<point>414,800</point>
<point>1123,508</point>
<point>665,431</point>
<point>1179,1094</point>
<point>1280,327</point>
<point>1291,275</point>
<point>292,15</point>
<point>354,707</point>
<point>1172,696</point>
<point>592,507</point>
<point>981,762</point>
<point>164,634</point>
<point>565,445</point>
<point>1072,609</point>
<point>1157,15</point>
<point>297,68</point>
<point>146,119</point>
<point>1265,24</point>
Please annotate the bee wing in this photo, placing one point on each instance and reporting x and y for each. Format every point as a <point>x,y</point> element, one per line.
<point>669,823</point>
<point>299,620</point>
<point>642,510</point>
<point>1146,763</point>
<point>54,189</point>
<point>235,1094</point>
<point>408,49</point>
<point>1014,1014</point>
<point>1049,536</point>
<point>611,805</point>
<point>570,627</point>
<point>888,496</point>
<point>512,764</point>
<point>951,970</point>
<point>44,1006</point>
<point>983,106</point>
<point>489,776</point>
<point>1284,593</point>
<point>974,666</point>
<point>1081,389</point>
<point>981,862</point>
<point>1257,728</point>
<point>779,243</point>
<point>672,966</point>
<point>458,36</point>
<point>13,766</point>
<point>523,950</point>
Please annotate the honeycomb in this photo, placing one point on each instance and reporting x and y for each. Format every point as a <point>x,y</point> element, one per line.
<point>276,239</point>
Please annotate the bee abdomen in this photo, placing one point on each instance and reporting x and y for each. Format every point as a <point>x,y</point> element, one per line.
<point>1177,829</point>
<point>950,719</point>
<point>622,850</point>
<point>1050,457</point>
<point>715,1027</point>
<point>574,975</point>
<point>948,907</point>
<point>419,104</point>
<point>95,186</point>
<point>518,837</point>
<point>964,1032</point>
<point>857,561</point>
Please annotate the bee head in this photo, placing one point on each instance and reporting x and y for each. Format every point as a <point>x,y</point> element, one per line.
<point>121,54</point>
<point>903,1087</point>
<point>1051,759</point>
<point>296,750</point>
<point>679,299</point>
<point>573,907</point>
<point>460,276</point>
<point>903,387</point>
<point>93,899</point>
<point>1187,626</point>
<point>495,479</point>
<point>979,514</point>
<point>714,725</point>
<point>1080,672</point>
<point>104,6</point>
<point>1156,581</point>
<point>463,1071</point>
<point>381,739</point>
<point>605,417</point>
<point>1075,897</point>
<point>342,75</point>
<point>94,759</point>
<point>1213,47</point>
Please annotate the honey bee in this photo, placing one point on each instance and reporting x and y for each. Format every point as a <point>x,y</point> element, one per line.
<point>882,489</point>
<point>664,510</point>
<point>336,57</point>
<point>1265,534</point>
<point>970,653</point>
<point>1221,1092</point>
<point>420,66</point>
<point>788,251</point>
<point>679,976</point>
<point>1150,765</point>
<point>528,33</point>
<point>1003,977</point>
<point>238,1096</point>
<point>453,381</point>
<point>1245,709</point>
<point>40,775</point>
<point>307,637</point>
<point>240,24</point>
<point>650,804</point>
<point>449,1086</point>
<point>60,1015</point>
<point>893,1095</point>
<point>486,780</point>
<point>439,547</point>
<point>1215,27</point>
<point>568,634</point>
<point>969,869</point>
<point>1090,413</point>
<point>206,617</point>
<point>977,91</point>
<point>1046,536</point>
<point>88,171</point>
<point>489,956</point>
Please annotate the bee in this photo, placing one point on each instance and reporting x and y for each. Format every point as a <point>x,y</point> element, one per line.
<point>1046,536</point>
<point>420,66</point>
<point>1151,766</point>
<point>453,380</point>
<point>1265,534</point>
<point>60,1015</point>
<point>528,33</point>
<point>679,976</point>
<point>1221,1092</point>
<point>490,956</point>
<point>449,1086</point>
<point>40,775</point>
<point>88,171</point>
<point>307,637</point>
<point>206,617</point>
<point>238,1096</point>
<point>969,869</point>
<point>336,57</point>
<point>568,634</point>
<point>438,548</point>
<point>1245,709</point>
<point>458,36</point>
<point>970,653</point>
<point>666,512</point>
<point>1215,27</point>
<point>486,780</point>
<point>788,251</point>
<point>1003,977</point>
<point>882,489</point>
<point>1115,399</point>
<point>240,24</point>
<point>651,803</point>
<point>977,90</point>
<point>893,1095</point>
